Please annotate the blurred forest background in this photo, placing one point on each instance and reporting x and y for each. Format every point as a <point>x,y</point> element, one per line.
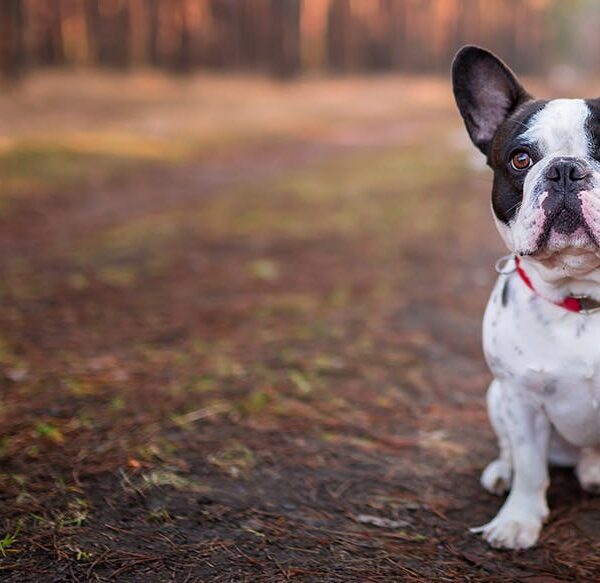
<point>245,248</point>
<point>288,37</point>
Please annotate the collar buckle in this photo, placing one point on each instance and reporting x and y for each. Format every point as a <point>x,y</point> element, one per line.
<point>587,304</point>
<point>506,265</point>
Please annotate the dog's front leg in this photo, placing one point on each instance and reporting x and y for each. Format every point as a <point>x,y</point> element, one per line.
<point>518,524</point>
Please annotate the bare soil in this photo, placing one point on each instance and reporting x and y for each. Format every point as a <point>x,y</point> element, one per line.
<point>259,361</point>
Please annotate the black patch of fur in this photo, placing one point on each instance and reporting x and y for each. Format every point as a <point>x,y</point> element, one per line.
<point>593,126</point>
<point>495,108</point>
<point>507,189</point>
<point>486,92</point>
<point>505,293</point>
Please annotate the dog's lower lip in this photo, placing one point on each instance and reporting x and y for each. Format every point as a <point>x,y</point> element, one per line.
<point>544,250</point>
<point>541,245</point>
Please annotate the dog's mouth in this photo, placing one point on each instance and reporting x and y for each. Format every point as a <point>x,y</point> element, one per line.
<point>573,252</point>
<point>565,228</point>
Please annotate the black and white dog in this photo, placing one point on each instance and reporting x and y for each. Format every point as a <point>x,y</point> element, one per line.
<point>541,330</point>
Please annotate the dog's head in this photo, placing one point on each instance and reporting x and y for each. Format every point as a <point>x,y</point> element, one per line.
<point>544,154</point>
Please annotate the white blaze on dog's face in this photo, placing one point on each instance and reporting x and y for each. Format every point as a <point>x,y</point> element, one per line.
<point>546,192</point>
<point>560,200</point>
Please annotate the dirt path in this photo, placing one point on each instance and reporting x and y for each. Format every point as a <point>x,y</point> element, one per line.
<point>260,366</point>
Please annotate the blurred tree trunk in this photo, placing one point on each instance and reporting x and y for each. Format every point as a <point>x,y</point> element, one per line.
<point>226,52</point>
<point>285,15</point>
<point>397,11</point>
<point>50,43</point>
<point>282,37</point>
<point>183,58</point>
<point>108,25</point>
<point>152,49</point>
<point>338,33</point>
<point>11,38</point>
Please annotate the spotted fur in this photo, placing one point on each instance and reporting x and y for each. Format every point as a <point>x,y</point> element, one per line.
<point>544,402</point>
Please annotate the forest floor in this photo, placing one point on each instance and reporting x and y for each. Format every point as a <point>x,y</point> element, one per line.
<point>240,337</point>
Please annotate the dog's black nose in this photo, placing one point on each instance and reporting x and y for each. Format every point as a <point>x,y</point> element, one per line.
<point>567,172</point>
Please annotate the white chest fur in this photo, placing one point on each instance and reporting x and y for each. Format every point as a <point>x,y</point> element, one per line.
<point>549,355</point>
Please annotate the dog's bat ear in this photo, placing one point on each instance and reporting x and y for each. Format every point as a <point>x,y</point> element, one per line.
<point>486,92</point>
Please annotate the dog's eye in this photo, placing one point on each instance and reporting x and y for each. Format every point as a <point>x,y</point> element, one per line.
<point>520,160</point>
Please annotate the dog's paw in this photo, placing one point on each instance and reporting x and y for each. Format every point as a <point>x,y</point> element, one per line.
<point>588,473</point>
<point>517,525</point>
<point>505,532</point>
<point>496,477</point>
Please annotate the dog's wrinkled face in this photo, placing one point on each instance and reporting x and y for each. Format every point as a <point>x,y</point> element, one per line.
<point>546,192</point>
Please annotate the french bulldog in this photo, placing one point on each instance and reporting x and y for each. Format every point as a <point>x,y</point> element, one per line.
<point>541,329</point>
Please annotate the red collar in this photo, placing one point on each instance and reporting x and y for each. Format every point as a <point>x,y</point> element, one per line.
<point>570,303</point>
